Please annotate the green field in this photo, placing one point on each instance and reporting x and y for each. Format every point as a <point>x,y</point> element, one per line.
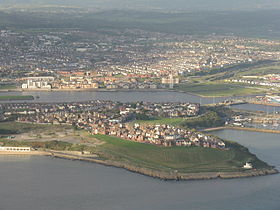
<point>16,128</point>
<point>54,145</point>
<point>262,70</point>
<point>7,87</point>
<point>15,97</point>
<point>206,120</point>
<point>58,142</point>
<point>211,82</point>
<point>218,89</point>
<point>182,159</point>
<point>168,121</point>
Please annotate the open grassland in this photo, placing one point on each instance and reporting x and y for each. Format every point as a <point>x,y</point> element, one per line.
<point>27,132</point>
<point>262,70</point>
<point>54,145</point>
<point>239,71</point>
<point>160,121</point>
<point>218,89</point>
<point>181,159</point>
<point>206,120</point>
<point>16,128</point>
<point>7,87</point>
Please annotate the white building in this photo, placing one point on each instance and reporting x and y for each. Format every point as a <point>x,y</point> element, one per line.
<point>15,149</point>
<point>170,81</point>
<point>38,83</point>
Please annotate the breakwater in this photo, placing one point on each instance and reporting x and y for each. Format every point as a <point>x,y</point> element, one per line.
<point>264,103</point>
<point>241,128</point>
<point>24,153</point>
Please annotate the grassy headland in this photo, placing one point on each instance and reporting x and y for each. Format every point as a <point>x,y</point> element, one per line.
<point>181,159</point>
<point>156,161</point>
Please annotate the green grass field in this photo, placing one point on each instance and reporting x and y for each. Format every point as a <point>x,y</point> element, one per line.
<point>206,120</point>
<point>218,89</point>
<point>182,159</point>
<point>263,70</point>
<point>7,87</point>
<point>168,121</point>
<point>15,127</point>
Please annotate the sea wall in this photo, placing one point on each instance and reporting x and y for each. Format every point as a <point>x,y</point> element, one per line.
<point>148,172</point>
<point>264,103</point>
<point>24,153</point>
<point>241,128</point>
<point>170,176</point>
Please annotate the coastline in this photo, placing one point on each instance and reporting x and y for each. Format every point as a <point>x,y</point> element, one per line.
<point>25,99</point>
<point>85,90</point>
<point>149,172</point>
<point>172,176</point>
<point>118,90</point>
<point>265,104</point>
<point>241,128</point>
<point>40,153</point>
<point>134,90</point>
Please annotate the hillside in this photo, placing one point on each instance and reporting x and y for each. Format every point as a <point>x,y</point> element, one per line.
<point>156,4</point>
<point>181,159</point>
<point>262,23</point>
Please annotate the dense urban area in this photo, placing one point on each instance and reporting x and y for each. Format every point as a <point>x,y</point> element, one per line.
<point>129,59</point>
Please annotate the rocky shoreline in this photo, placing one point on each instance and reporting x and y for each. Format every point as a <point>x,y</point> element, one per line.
<point>241,128</point>
<point>171,176</point>
<point>150,172</point>
<point>263,103</point>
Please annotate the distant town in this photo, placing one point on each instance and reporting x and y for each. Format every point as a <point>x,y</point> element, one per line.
<point>129,59</point>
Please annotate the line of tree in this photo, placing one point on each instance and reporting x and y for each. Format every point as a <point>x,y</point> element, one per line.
<point>207,120</point>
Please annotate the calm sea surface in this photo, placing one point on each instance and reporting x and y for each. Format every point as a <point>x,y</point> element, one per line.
<point>131,96</point>
<point>46,183</point>
<point>258,107</point>
<point>123,96</point>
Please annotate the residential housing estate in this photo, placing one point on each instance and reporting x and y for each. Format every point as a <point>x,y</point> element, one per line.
<point>117,119</point>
